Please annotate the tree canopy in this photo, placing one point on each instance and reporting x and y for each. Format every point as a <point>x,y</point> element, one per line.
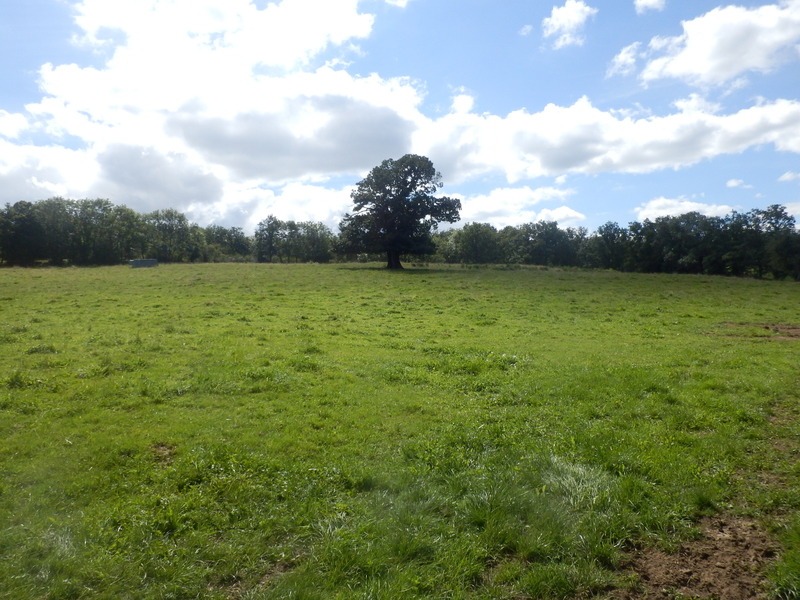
<point>395,210</point>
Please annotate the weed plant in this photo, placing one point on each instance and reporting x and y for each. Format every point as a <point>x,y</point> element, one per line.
<point>308,431</point>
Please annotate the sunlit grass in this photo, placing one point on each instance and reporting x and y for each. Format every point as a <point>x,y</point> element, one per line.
<point>304,431</point>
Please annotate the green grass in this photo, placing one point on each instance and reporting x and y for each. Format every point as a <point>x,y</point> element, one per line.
<point>304,431</point>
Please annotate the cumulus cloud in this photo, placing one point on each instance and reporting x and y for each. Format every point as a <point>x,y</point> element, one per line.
<point>305,202</point>
<point>725,43</point>
<point>789,176</point>
<point>463,103</point>
<point>645,5</point>
<point>697,104</point>
<point>31,172</point>
<point>148,179</point>
<point>793,208</point>
<point>582,138</point>
<point>624,63</point>
<point>246,206</point>
<point>280,34</point>
<point>666,207</point>
<point>566,23</point>
<point>342,135</point>
<point>29,181</point>
<point>12,124</point>
<point>738,183</point>
<point>563,215</point>
<point>509,206</point>
<point>196,98</point>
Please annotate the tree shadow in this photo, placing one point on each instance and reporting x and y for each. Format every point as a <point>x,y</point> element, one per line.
<point>411,270</point>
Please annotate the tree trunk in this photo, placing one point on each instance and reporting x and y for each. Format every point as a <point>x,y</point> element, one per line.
<point>393,259</point>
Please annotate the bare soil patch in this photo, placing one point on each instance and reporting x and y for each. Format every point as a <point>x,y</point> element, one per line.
<point>164,453</point>
<point>779,331</point>
<point>727,562</point>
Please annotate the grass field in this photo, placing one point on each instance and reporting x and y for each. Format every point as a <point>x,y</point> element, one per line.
<point>337,431</point>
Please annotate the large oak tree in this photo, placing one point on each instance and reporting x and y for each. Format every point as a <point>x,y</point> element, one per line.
<point>395,210</point>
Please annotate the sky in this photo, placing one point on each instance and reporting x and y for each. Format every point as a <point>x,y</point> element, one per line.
<point>576,111</point>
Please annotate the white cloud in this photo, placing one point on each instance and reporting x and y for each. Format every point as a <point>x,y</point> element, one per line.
<point>723,44</point>
<point>584,139</point>
<point>150,179</point>
<point>512,206</point>
<point>789,176</point>
<point>12,124</point>
<point>738,183</point>
<point>793,208</point>
<point>564,215</point>
<point>247,206</point>
<point>281,34</point>
<point>645,5</point>
<point>30,172</point>
<point>307,125</point>
<point>624,63</point>
<point>312,136</point>
<point>665,207</point>
<point>526,30</point>
<point>462,103</point>
<point>696,104</point>
<point>191,89</point>
<point>206,58</point>
<point>566,23</point>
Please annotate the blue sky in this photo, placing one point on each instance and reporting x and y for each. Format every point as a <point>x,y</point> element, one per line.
<point>580,111</point>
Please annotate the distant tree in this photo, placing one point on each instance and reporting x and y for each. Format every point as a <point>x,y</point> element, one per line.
<point>573,250</point>
<point>130,239</point>
<point>683,242</point>
<point>196,246</point>
<point>780,241</point>
<point>775,219</point>
<point>477,243</point>
<point>316,242</point>
<point>22,237</point>
<point>58,218</point>
<point>170,241</point>
<point>267,238</point>
<point>446,250</point>
<point>395,211</point>
<point>735,243</point>
<point>543,243</point>
<point>512,243</point>
<point>783,250</point>
<point>290,244</point>
<point>95,233</point>
<point>606,248</point>
<point>5,231</point>
<point>643,251</point>
<point>227,244</point>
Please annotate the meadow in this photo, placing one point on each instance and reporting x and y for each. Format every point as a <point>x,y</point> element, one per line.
<point>257,431</point>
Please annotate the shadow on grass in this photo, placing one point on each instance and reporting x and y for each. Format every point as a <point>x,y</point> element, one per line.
<point>411,270</point>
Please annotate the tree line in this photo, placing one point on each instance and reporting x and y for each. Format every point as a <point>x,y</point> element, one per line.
<point>758,243</point>
<point>97,232</point>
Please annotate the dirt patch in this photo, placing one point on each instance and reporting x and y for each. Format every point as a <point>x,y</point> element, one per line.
<point>727,562</point>
<point>164,453</point>
<point>775,331</point>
